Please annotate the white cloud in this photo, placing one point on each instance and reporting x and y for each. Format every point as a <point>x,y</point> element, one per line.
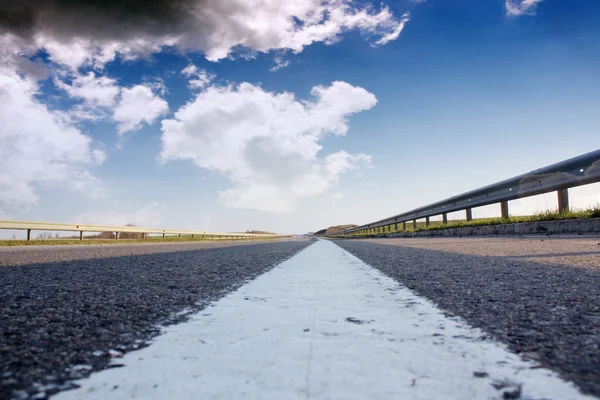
<point>39,146</point>
<point>521,7</point>
<point>12,57</point>
<point>190,70</point>
<point>138,104</point>
<point>216,28</point>
<point>76,52</point>
<point>393,35</point>
<point>103,98</point>
<point>267,144</point>
<point>200,78</point>
<point>148,216</point>
<point>95,91</point>
<point>279,63</point>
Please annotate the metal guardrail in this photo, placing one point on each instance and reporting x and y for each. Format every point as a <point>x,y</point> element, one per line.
<point>52,226</point>
<point>577,171</point>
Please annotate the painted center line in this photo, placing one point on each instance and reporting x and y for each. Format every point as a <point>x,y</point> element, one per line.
<point>323,325</point>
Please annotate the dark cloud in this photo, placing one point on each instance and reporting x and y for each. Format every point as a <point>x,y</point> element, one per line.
<point>102,19</point>
<point>216,27</point>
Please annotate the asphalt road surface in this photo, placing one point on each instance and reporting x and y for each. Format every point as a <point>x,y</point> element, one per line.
<point>65,312</point>
<point>322,324</point>
<point>540,296</point>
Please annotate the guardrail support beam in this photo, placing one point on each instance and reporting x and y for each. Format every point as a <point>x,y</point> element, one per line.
<point>563,200</point>
<point>404,226</point>
<point>163,235</point>
<point>28,234</point>
<point>574,172</point>
<point>445,218</point>
<point>116,235</point>
<point>414,224</point>
<point>426,221</point>
<point>80,235</point>
<point>504,209</point>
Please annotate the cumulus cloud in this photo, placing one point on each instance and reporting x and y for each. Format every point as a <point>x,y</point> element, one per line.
<point>148,215</point>
<point>198,78</point>
<point>96,91</point>
<point>521,7</point>
<point>138,104</point>
<point>101,97</point>
<point>267,144</point>
<point>93,32</point>
<point>39,146</point>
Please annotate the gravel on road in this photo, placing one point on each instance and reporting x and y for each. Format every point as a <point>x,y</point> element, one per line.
<point>62,320</point>
<point>540,304</point>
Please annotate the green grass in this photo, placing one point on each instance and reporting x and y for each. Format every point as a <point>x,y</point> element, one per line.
<point>549,215</point>
<point>76,241</point>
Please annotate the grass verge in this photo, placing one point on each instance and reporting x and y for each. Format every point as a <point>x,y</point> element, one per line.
<point>549,215</point>
<point>76,241</point>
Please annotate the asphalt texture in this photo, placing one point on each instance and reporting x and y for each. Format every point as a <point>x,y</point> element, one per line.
<point>546,311</point>
<point>25,255</point>
<point>62,320</point>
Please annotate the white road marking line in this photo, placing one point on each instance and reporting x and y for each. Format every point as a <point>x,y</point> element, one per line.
<point>322,325</point>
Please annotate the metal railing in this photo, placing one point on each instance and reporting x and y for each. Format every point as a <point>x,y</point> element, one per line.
<point>81,228</point>
<point>577,171</point>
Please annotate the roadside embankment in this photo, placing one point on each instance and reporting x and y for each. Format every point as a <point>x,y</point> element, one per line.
<point>568,226</point>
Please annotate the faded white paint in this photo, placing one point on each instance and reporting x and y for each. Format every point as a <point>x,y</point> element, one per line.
<point>286,335</point>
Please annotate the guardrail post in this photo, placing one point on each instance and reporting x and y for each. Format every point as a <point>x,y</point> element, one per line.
<point>469,214</point>
<point>28,234</point>
<point>404,226</point>
<point>116,235</point>
<point>426,221</point>
<point>192,235</point>
<point>445,218</point>
<point>144,236</point>
<point>504,209</point>
<point>414,224</point>
<point>180,235</point>
<point>80,235</point>
<point>163,235</point>
<point>563,200</point>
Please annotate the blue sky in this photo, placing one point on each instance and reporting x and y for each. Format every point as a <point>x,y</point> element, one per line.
<point>419,101</point>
